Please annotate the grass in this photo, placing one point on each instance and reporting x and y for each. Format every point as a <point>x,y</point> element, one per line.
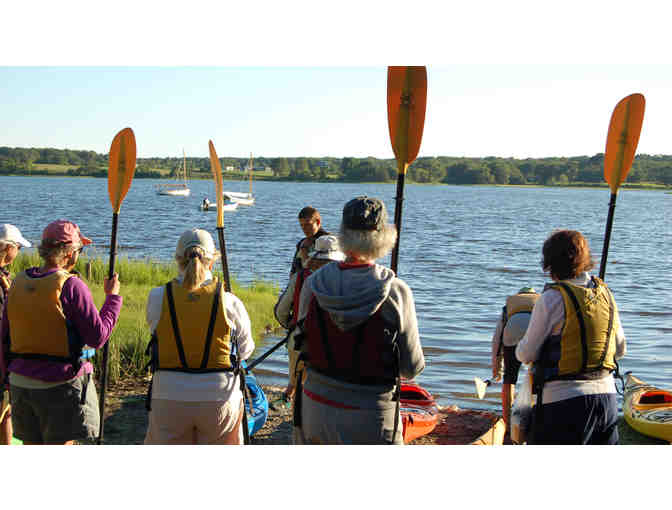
<point>131,334</point>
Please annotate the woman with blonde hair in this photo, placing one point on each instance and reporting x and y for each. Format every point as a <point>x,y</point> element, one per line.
<point>199,335</point>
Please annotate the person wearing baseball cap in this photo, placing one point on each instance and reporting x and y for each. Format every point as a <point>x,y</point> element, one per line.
<point>11,241</point>
<point>199,335</point>
<point>358,335</point>
<point>325,250</point>
<point>48,319</point>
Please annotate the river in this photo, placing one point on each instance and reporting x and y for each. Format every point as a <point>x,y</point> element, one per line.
<point>463,249</point>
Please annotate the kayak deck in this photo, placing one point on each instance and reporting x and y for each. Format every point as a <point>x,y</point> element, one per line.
<point>647,409</point>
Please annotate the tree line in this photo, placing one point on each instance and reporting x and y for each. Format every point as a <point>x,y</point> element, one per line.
<point>441,169</point>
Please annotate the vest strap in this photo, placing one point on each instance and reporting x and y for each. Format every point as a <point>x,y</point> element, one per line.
<point>173,321</point>
<point>323,335</point>
<point>609,328</point>
<point>211,325</point>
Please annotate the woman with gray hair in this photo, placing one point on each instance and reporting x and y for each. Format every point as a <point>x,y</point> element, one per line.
<point>360,335</point>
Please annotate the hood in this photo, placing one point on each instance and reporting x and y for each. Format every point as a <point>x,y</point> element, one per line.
<point>351,295</point>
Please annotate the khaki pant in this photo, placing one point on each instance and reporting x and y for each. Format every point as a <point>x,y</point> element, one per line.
<point>178,422</point>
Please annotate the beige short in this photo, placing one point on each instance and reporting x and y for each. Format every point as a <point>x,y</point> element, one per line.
<point>178,422</point>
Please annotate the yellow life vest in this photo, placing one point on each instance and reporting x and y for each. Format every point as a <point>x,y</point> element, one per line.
<point>522,302</point>
<point>586,345</point>
<point>38,327</point>
<point>193,334</point>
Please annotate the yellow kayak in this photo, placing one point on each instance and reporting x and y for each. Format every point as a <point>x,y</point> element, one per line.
<point>647,409</point>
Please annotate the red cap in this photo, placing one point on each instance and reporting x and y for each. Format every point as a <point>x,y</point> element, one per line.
<point>64,232</point>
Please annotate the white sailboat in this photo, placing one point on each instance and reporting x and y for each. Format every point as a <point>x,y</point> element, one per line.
<point>176,189</point>
<point>239,198</point>
<point>213,207</point>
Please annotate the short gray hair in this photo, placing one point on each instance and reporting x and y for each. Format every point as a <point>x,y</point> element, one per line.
<point>56,252</point>
<point>369,244</point>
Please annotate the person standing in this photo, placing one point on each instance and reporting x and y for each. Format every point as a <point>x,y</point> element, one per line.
<point>511,327</point>
<point>360,335</point>
<point>286,310</point>
<point>574,339</point>
<point>49,318</point>
<point>199,335</point>
<point>311,224</point>
<point>11,242</point>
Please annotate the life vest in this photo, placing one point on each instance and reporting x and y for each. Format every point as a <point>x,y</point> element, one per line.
<point>300,278</point>
<point>585,347</point>
<point>519,305</point>
<point>38,326</point>
<point>193,334</point>
<point>367,354</point>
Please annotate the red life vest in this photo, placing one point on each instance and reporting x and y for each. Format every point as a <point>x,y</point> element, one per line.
<point>367,354</point>
<point>300,278</point>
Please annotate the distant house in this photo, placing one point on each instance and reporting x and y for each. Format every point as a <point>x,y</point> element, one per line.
<point>228,169</point>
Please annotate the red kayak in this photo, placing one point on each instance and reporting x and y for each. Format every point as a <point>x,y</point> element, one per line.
<point>419,413</point>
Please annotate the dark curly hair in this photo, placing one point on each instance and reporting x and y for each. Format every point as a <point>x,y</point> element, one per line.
<point>566,254</point>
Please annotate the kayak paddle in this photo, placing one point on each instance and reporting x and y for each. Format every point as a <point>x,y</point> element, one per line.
<point>481,385</point>
<point>216,169</point>
<point>406,104</point>
<point>261,358</point>
<point>119,177</point>
<point>622,138</point>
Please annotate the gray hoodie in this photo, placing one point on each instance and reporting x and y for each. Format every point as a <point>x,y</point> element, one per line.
<point>351,295</point>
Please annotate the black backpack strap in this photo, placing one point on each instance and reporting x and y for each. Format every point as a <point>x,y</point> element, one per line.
<point>356,352</point>
<point>211,325</point>
<point>173,320</point>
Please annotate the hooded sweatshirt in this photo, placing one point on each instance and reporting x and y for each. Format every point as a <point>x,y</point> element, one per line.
<point>353,293</point>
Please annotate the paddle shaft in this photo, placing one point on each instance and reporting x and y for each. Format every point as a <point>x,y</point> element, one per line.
<point>607,235</point>
<point>225,263</point>
<point>261,358</point>
<point>399,201</point>
<point>106,347</point>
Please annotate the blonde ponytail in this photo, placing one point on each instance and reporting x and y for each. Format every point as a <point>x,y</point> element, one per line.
<point>194,266</point>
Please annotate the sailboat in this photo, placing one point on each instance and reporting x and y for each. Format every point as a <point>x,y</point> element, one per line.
<point>176,189</point>
<point>239,198</point>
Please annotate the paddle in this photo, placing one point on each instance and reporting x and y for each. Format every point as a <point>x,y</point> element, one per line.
<point>261,358</point>
<point>481,385</point>
<point>119,177</point>
<point>622,138</point>
<point>216,169</point>
<point>406,103</point>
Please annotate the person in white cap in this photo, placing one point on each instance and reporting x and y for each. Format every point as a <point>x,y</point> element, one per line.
<point>325,250</point>
<point>199,335</point>
<point>11,242</point>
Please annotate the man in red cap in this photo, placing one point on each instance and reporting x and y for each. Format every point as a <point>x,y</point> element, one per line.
<point>50,327</point>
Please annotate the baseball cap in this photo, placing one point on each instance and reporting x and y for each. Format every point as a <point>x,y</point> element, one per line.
<point>364,213</point>
<point>64,232</point>
<point>327,248</point>
<point>9,233</point>
<point>196,237</point>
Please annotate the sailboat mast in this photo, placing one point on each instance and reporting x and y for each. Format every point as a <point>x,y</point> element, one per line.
<point>184,167</point>
<point>251,167</point>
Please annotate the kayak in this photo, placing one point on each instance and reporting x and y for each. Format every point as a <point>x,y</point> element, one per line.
<point>419,412</point>
<point>493,436</point>
<point>256,417</point>
<point>647,409</point>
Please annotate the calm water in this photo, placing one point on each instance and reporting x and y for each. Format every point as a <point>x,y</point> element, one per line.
<point>462,251</point>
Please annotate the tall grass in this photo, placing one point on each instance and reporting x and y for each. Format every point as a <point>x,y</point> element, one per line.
<point>137,277</point>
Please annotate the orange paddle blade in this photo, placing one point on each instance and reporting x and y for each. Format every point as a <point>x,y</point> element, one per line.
<point>406,104</point>
<point>216,169</point>
<point>622,138</point>
<point>122,167</point>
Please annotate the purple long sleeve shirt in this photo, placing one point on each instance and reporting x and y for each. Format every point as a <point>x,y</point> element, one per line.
<point>94,329</point>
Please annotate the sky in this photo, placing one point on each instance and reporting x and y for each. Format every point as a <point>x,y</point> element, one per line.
<point>515,82</point>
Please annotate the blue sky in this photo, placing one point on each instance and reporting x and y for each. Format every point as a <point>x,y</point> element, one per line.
<point>287,80</point>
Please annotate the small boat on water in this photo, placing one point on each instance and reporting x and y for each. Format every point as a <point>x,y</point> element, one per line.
<point>647,409</point>
<point>419,412</point>
<point>176,189</point>
<point>241,198</point>
<point>213,207</point>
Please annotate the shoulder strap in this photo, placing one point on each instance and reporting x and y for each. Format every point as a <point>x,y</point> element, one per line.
<point>610,327</point>
<point>323,333</point>
<point>211,325</point>
<point>582,324</point>
<point>173,320</point>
